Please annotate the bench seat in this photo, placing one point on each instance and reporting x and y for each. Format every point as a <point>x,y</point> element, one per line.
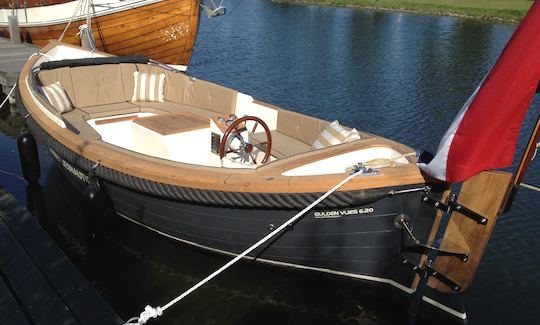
<point>76,122</point>
<point>284,145</point>
<point>98,111</point>
<point>170,107</point>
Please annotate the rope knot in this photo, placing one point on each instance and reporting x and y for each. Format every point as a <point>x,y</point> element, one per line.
<point>149,312</point>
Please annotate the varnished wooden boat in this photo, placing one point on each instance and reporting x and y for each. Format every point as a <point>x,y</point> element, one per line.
<point>173,167</point>
<point>163,30</point>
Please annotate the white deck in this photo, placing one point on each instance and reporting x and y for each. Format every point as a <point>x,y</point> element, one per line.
<point>193,147</point>
<point>340,163</point>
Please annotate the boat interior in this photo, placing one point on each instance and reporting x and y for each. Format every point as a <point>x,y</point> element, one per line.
<point>155,110</point>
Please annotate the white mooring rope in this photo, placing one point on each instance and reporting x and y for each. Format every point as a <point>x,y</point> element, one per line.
<point>151,312</point>
<point>79,6</point>
<point>530,187</point>
<point>9,94</point>
<point>535,151</point>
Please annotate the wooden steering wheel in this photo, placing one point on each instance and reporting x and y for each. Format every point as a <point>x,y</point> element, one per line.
<point>245,146</point>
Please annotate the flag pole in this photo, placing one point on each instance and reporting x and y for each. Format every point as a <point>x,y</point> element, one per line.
<point>524,163</point>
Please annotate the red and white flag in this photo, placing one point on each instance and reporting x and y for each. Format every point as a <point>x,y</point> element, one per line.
<point>484,134</point>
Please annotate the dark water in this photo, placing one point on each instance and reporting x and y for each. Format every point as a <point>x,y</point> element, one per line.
<point>402,76</point>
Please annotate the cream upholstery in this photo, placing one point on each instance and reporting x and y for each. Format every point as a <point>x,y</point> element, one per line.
<point>57,97</point>
<point>61,75</point>
<point>99,91</point>
<point>75,121</point>
<point>148,87</point>
<point>75,115</point>
<point>176,87</point>
<point>302,127</point>
<point>126,71</point>
<point>98,111</point>
<point>284,145</point>
<point>97,85</point>
<point>335,134</point>
<point>169,107</point>
<point>113,83</point>
<point>210,96</point>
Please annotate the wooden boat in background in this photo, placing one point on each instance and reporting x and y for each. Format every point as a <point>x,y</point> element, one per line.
<point>162,30</point>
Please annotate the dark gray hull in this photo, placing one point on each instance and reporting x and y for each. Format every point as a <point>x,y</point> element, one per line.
<point>359,245</point>
<point>350,234</point>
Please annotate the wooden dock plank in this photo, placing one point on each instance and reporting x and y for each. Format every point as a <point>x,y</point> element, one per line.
<point>79,297</point>
<point>10,310</point>
<point>29,286</point>
<point>12,59</point>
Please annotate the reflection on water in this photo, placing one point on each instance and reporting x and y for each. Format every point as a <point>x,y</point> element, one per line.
<point>11,121</point>
<point>402,76</point>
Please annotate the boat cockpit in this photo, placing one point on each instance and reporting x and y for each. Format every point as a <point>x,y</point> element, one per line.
<point>155,110</point>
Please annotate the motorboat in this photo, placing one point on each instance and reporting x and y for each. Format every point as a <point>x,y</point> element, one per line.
<point>214,168</point>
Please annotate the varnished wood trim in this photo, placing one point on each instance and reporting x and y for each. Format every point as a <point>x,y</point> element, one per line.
<point>116,119</point>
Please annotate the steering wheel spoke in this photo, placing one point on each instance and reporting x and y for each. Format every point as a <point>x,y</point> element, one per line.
<point>255,127</point>
<point>254,159</point>
<point>236,151</point>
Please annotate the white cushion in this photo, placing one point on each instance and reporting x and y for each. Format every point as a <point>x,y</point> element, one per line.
<point>57,97</point>
<point>148,87</point>
<point>334,134</point>
<point>353,135</point>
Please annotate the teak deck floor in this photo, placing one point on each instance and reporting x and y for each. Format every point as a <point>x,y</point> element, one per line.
<point>38,283</point>
<point>167,124</point>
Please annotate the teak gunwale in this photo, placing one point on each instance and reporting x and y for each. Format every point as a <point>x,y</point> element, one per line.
<point>266,179</point>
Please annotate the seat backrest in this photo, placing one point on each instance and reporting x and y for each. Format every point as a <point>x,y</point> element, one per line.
<point>299,126</point>
<point>97,85</point>
<point>126,70</point>
<point>212,97</point>
<point>181,89</point>
<point>62,75</point>
<point>114,83</point>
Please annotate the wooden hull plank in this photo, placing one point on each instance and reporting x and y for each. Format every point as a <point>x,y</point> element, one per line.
<point>162,31</point>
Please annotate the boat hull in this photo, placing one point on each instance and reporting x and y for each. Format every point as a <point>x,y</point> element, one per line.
<point>163,30</point>
<point>360,244</point>
<point>363,247</point>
